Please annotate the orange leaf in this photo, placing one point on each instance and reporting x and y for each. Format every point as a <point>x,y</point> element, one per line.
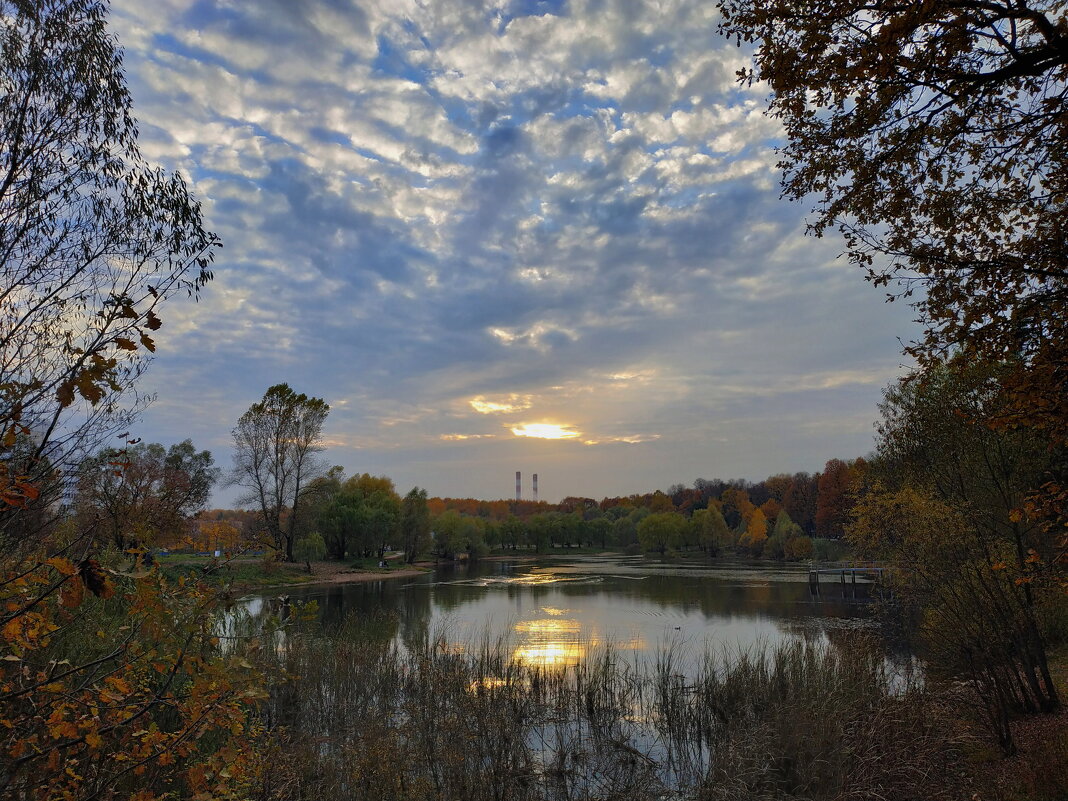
<point>64,566</point>
<point>72,594</point>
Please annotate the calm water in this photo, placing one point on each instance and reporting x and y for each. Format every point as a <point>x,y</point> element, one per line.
<point>555,611</point>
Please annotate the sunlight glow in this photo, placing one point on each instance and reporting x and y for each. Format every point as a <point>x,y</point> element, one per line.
<point>505,405</point>
<point>544,431</point>
<point>548,627</point>
<point>550,654</point>
<point>549,642</point>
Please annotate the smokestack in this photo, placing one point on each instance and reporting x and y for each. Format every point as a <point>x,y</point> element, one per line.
<point>518,486</point>
<point>535,488</point>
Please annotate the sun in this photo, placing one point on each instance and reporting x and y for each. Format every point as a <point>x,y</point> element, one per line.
<point>544,431</point>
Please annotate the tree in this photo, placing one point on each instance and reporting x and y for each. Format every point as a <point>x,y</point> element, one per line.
<point>800,500</point>
<point>338,523</point>
<point>144,495</point>
<point>943,503</point>
<point>736,506</point>
<point>756,533</point>
<point>455,534</point>
<point>835,500</point>
<point>415,524</point>
<point>661,531</point>
<point>377,519</point>
<point>785,527</point>
<point>93,240</point>
<point>112,683</point>
<point>600,531</point>
<point>275,443</point>
<point>712,531</point>
<point>934,136</point>
<point>310,548</point>
<point>972,621</point>
<point>787,540</point>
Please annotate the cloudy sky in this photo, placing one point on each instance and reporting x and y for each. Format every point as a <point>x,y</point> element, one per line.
<point>468,225</point>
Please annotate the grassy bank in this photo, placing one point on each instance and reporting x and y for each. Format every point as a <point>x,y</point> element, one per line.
<point>249,573</point>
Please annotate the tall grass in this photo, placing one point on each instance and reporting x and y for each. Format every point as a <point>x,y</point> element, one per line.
<point>354,716</point>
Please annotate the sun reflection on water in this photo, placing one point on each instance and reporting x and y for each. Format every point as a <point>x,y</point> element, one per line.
<point>550,642</point>
<point>550,654</point>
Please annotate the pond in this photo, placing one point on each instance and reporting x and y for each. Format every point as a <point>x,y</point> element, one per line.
<point>588,677</point>
<point>555,611</point>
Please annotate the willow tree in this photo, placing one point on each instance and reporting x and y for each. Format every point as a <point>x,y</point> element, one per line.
<point>935,136</point>
<point>415,524</point>
<point>275,447</point>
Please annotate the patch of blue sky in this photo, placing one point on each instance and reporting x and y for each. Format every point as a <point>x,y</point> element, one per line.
<point>686,198</point>
<point>166,43</point>
<point>392,59</point>
<point>529,8</point>
<point>661,56</point>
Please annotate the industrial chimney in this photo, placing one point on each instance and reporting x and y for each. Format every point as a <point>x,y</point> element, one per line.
<point>518,486</point>
<point>535,488</point>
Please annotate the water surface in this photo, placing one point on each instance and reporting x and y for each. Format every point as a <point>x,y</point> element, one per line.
<point>555,611</point>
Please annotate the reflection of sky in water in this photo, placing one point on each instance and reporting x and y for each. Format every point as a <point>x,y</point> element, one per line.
<point>558,614</point>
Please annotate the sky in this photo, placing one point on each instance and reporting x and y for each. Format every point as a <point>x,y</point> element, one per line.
<point>472,226</point>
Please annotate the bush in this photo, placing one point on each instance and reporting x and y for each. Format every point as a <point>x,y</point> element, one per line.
<point>774,547</point>
<point>799,548</point>
<point>825,550</point>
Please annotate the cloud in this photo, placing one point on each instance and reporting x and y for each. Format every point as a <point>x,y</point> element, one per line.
<point>510,404</point>
<point>443,211</point>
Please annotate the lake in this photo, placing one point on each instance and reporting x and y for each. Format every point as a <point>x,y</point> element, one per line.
<point>554,611</point>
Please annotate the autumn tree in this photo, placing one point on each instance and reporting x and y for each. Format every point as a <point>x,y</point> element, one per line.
<point>93,239</point>
<point>756,533</point>
<point>973,621</point>
<point>112,684</point>
<point>275,447</point>
<point>974,566</point>
<point>933,136</point>
<point>800,500</point>
<point>834,500</point>
<point>144,494</point>
<point>737,507</point>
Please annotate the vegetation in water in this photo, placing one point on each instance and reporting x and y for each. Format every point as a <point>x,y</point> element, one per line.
<point>437,719</point>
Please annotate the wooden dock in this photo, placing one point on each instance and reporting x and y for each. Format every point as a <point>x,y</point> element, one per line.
<point>843,575</point>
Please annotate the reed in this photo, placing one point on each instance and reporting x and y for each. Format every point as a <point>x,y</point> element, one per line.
<point>354,716</point>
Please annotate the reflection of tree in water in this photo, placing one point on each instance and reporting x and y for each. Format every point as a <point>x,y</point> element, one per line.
<point>715,597</point>
<point>414,608</point>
